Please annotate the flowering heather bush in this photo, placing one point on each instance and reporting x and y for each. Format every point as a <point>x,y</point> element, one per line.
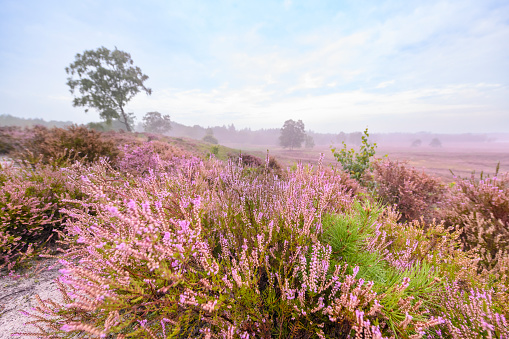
<point>30,199</point>
<point>471,314</point>
<point>162,255</point>
<point>479,209</point>
<point>352,241</point>
<point>149,156</point>
<point>414,193</point>
<point>10,139</point>
<point>59,145</point>
<point>248,160</point>
<point>207,250</point>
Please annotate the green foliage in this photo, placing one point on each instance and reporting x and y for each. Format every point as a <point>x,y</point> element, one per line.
<point>214,150</point>
<point>155,122</point>
<point>106,81</point>
<point>210,139</point>
<point>356,163</point>
<point>292,134</point>
<point>348,234</point>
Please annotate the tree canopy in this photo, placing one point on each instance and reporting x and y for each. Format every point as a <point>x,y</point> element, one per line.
<point>292,134</point>
<point>155,122</point>
<point>106,81</point>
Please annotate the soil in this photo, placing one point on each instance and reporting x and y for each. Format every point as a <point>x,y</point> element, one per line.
<point>17,293</point>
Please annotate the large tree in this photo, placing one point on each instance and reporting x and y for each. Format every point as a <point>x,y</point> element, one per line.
<point>292,134</point>
<point>155,122</point>
<point>106,81</point>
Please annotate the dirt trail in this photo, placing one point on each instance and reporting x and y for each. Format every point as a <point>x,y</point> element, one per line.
<point>17,294</point>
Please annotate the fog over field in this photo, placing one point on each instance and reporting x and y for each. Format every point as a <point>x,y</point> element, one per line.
<point>339,66</point>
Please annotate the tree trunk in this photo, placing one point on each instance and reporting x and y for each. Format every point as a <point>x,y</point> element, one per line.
<point>126,123</point>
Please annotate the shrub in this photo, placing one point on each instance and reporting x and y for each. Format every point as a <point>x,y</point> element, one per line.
<point>59,145</point>
<point>30,199</point>
<point>435,143</point>
<point>414,193</point>
<point>350,235</point>
<point>203,249</point>
<point>165,255</point>
<point>138,159</point>
<point>479,209</point>
<point>356,163</point>
<point>210,139</point>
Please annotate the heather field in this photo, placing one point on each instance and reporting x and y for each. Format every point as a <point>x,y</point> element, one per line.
<point>159,237</point>
<point>461,158</point>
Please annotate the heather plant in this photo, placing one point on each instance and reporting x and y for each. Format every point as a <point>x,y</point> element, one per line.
<point>470,314</point>
<point>158,257</point>
<point>415,194</point>
<point>202,249</point>
<point>479,210</point>
<point>349,236</point>
<point>59,146</point>
<point>30,200</point>
<point>356,163</point>
<point>138,159</point>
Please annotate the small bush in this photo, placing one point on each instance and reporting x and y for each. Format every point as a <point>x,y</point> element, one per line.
<point>139,159</point>
<point>210,139</point>
<point>30,200</point>
<point>59,145</point>
<point>479,209</point>
<point>356,163</point>
<point>414,193</point>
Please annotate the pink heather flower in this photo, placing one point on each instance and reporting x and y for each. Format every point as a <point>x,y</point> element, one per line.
<point>131,204</point>
<point>197,201</point>
<point>121,246</point>
<point>355,270</point>
<point>67,328</point>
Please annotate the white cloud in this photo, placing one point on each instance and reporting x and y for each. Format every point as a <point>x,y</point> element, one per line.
<point>257,107</point>
<point>385,84</point>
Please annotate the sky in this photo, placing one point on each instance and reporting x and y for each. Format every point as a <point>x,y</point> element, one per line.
<point>391,66</point>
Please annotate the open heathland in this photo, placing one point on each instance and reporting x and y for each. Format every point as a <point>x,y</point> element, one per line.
<point>159,237</point>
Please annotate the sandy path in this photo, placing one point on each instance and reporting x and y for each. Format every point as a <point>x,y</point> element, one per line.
<point>18,294</point>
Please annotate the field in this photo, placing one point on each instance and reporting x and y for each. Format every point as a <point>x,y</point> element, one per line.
<point>462,159</point>
<point>156,238</point>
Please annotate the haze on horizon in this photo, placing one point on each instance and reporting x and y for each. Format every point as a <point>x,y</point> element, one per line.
<point>438,66</point>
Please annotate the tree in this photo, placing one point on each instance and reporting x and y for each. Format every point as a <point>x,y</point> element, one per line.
<point>209,137</point>
<point>310,142</point>
<point>155,122</point>
<point>417,143</point>
<point>292,134</point>
<point>106,81</point>
<point>435,143</point>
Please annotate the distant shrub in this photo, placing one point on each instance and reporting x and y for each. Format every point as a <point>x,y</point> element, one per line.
<point>416,143</point>
<point>435,143</point>
<point>210,139</point>
<point>414,193</point>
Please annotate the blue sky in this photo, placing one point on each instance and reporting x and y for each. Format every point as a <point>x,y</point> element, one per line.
<point>394,66</point>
